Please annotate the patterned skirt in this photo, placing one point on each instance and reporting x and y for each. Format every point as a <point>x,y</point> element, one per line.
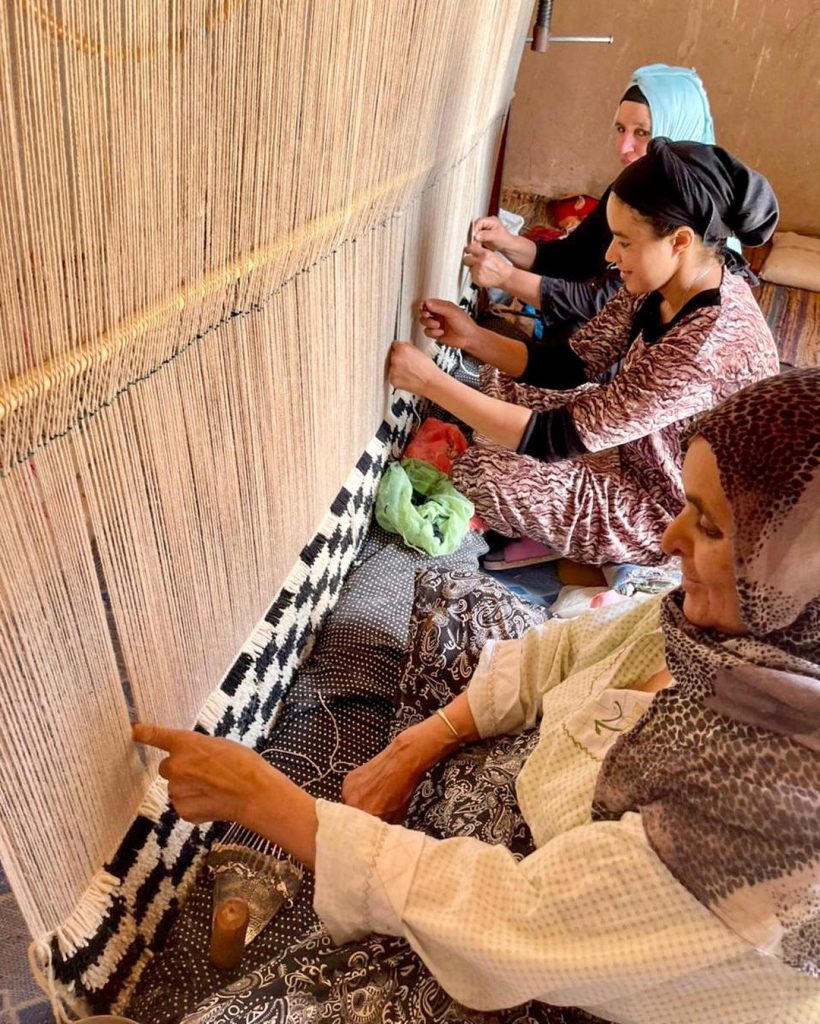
<point>593,508</point>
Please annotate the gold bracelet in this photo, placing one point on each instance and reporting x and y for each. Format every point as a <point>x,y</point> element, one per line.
<point>448,723</point>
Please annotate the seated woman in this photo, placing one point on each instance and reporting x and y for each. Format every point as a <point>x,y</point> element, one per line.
<point>591,467</point>
<point>672,790</point>
<point>567,279</point>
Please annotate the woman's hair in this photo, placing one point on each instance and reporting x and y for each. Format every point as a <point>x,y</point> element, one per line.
<point>663,227</point>
<point>634,95</point>
<point>677,102</point>
<point>702,187</point>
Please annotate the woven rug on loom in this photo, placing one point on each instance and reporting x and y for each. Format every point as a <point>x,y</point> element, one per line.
<point>107,959</point>
<point>157,862</point>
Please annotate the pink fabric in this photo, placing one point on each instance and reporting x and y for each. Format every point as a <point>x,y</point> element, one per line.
<point>606,598</point>
<point>437,443</point>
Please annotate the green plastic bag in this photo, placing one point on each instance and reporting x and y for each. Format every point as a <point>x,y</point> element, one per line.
<point>418,502</point>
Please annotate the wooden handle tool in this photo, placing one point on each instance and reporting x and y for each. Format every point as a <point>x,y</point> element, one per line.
<point>228,933</point>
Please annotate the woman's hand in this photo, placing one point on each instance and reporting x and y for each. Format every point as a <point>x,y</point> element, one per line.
<point>449,324</point>
<point>410,369</point>
<point>487,268</point>
<point>209,779</point>
<point>212,779</point>
<point>490,232</point>
<point>385,784</point>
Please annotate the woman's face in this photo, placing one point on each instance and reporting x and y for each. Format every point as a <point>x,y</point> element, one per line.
<point>701,536</point>
<point>645,261</point>
<point>633,130</point>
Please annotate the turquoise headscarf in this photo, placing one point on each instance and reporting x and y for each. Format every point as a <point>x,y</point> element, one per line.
<point>679,107</point>
<point>677,102</point>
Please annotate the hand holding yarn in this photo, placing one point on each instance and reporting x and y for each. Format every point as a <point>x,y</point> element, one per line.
<point>448,323</point>
<point>491,233</point>
<point>410,369</point>
<point>487,268</point>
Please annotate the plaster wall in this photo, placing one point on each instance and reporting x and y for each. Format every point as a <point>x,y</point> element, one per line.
<point>759,60</point>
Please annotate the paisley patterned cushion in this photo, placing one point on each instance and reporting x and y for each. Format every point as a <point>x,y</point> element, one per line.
<point>455,613</point>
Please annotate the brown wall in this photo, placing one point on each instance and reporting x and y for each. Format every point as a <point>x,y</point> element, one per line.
<point>759,60</point>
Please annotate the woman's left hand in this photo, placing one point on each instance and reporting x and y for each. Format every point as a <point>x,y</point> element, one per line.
<point>385,784</point>
<point>410,369</point>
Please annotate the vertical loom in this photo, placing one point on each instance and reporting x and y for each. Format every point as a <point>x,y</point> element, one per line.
<point>214,215</point>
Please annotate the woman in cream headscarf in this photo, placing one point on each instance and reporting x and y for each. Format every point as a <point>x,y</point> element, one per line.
<point>567,279</point>
<point>674,864</point>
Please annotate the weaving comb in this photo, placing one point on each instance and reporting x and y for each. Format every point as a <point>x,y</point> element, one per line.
<point>260,881</point>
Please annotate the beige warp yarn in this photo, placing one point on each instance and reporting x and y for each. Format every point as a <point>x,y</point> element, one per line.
<point>214,218</point>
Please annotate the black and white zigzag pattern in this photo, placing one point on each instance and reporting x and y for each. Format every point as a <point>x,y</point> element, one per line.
<point>98,955</point>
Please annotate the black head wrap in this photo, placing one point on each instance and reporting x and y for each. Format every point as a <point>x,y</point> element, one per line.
<point>634,95</point>
<point>703,187</point>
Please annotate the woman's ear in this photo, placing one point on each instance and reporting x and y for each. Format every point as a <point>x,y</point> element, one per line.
<point>683,239</point>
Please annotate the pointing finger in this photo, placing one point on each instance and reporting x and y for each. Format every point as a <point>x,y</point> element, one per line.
<point>158,736</point>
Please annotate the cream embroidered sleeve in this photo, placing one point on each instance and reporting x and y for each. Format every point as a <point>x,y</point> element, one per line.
<point>504,696</point>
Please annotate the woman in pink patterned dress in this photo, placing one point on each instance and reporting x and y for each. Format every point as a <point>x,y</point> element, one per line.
<point>577,439</point>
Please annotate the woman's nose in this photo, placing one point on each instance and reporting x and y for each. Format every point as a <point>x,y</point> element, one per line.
<point>611,252</point>
<point>626,144</point>
<point>673,541</point>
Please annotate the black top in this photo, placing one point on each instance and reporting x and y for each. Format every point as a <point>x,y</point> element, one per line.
<point>648,316</point>
<point>580,255</point>
<point>552,436</point>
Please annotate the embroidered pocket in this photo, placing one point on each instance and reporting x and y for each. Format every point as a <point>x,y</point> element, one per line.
<point>600,722</point>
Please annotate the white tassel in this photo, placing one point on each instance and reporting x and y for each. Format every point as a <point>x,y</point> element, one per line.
<point>87,917</point>
<point>213,710</point>
<point>155,802</point>
<point>61,999</point>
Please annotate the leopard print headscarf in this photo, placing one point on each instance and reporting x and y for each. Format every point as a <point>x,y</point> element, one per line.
<point>724,767</point>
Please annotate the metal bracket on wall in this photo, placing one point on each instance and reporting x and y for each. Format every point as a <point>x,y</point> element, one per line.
<point>541,37</point>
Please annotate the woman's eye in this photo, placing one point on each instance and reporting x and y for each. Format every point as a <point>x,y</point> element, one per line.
<point>619,128</point>
<point>642,133</point>
<point>709,530</point>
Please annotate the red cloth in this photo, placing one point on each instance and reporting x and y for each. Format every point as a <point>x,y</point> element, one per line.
<point>437,443</point>
<point>570,211</point>
<point>544,234</point>
<point>567,214</point>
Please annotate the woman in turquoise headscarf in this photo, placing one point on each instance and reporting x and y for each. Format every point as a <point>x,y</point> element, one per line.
<point>569,279</point>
